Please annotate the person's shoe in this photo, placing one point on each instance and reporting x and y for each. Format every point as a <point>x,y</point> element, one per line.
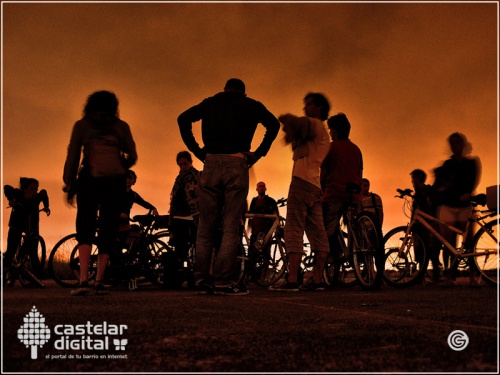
<point>82,290</point>
<point>204,287</point>
<point>232,290</point>
<point>285,287</point>
<point>313,287</point>
<point>100,289</point>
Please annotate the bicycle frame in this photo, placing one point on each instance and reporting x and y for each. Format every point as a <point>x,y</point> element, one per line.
<point>459,253</point>
<point>271,231</point>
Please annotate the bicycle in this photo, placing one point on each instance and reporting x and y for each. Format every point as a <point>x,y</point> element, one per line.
<point>139,261</point>
<point>342,275</point>
<point>361,258</point>
<point>268,255</point>
<point>341,272</point>
<point>29,260</point>
<point>406,257</point>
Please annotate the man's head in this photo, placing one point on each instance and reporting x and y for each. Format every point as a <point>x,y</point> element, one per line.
<point>418,178</point>
<point>131,178</point>
<point>235,84</point>
<point>184,160</point>
<point>339,126</point>
<point>365,186</point>
<point>316,105</point>
<point>261,188</point>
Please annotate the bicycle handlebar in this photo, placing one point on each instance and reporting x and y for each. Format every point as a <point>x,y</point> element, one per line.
<point>281,202</point>
<point>404,193</point>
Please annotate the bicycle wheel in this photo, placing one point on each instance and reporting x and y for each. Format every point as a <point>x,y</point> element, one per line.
<point>64,263</point>
<point>342,275</point>
<point>151,260</point>
<point>486,243</point>
<point>367,251</point>
<point>163,235</point>
<point>402,270</point>
<point>273,263</point>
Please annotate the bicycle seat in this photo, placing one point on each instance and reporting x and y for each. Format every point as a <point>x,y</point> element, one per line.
<point>144,219</point>
<point>161,221</point>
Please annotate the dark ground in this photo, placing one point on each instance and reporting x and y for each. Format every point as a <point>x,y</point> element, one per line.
<point>343,330</point>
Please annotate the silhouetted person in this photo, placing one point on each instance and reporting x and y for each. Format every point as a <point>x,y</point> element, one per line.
<point>372,202</point>
<point>310,142</point>
<point>341,169</point>
<point>100,184</point>
<point>184,205</point>
<point>24,218</point>
<point>131,198</point>
<point>455,182</point>
<point>424,200</point>
<point>261,204</point>
<point>229,120</point>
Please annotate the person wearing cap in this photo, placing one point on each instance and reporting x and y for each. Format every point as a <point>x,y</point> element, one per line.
<point>228,123</point>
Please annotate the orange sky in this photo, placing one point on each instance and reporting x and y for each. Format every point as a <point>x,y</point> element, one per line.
<point>407,76</point>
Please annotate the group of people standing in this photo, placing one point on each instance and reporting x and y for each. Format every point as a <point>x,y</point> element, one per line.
<point>448,199</point>
<point>207,205</point>
<point>228,123</point>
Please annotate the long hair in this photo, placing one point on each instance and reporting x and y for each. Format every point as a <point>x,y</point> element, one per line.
<point>101,101</point>
<point>467,145</point>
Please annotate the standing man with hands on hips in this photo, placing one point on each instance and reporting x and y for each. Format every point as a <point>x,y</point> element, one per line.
<point>229,120</point>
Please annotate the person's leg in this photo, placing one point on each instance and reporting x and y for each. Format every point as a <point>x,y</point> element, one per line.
<point>102,263</point>
<point>294,228</point>
<point>332,213</point>
<point>210,205</point>
<point>235,182</point>
<point>84,251</point>
<point>86,224</point>
<point>462,216</point>
<point>445,214</point>
<point>111,197</point>
<point>316,233</point>
<point>13,241</point>
<point>180,237</point>
<point>434,251</point>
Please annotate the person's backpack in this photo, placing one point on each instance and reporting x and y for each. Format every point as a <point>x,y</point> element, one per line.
<point>104,155</point>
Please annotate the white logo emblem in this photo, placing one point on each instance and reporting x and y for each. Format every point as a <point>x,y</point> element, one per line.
<point>120,343</point>
<point>458,340</point>
<point>33,332</point>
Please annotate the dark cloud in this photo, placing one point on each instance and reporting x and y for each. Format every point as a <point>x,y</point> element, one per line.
<point>407,75</point>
